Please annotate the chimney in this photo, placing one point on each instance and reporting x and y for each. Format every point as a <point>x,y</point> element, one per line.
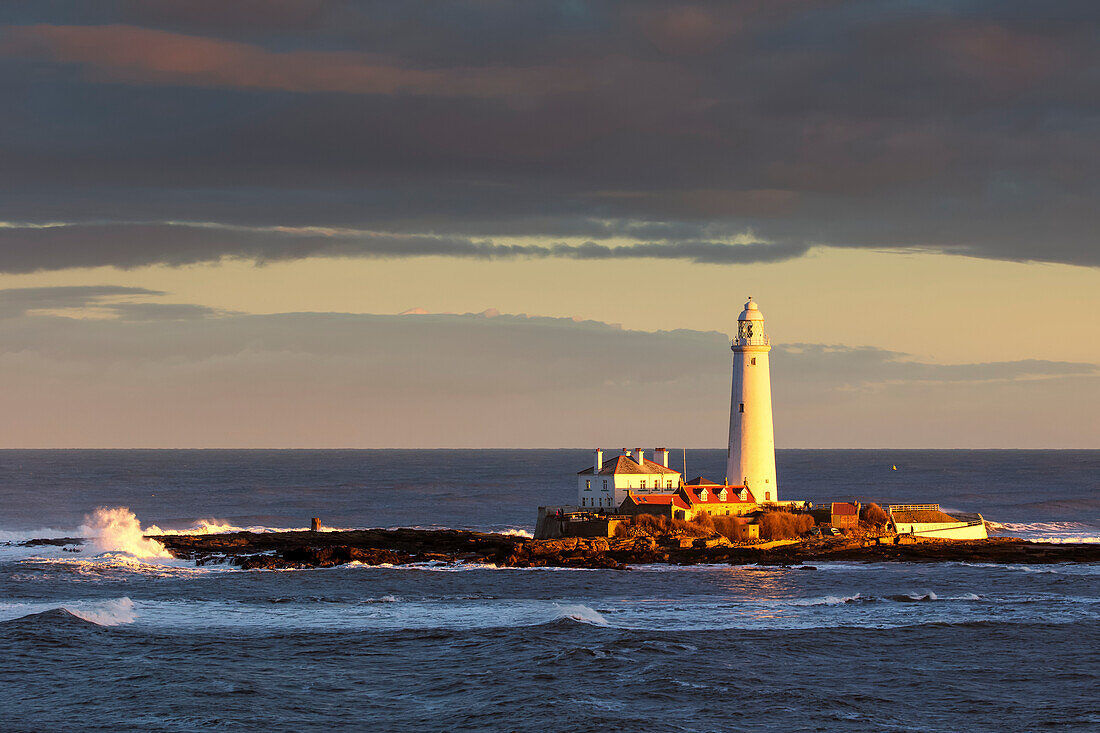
<point>641,456</point>
<point>599,461</point>
<point>626,453</point>
<point>662,456</point>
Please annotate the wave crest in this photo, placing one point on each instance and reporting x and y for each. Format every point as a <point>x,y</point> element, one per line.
<point>117,529</point>
<point>581,613</point>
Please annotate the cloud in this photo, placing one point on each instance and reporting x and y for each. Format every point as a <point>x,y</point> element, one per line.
<point>19,301</point>
<point>931,128</point>
<point>424,380</point>
<point>35,248</point>
<point>133,55</point>
<point>164,311</point>
<point>848,368</point>
<point>110,300</point>
<point>285,15</point>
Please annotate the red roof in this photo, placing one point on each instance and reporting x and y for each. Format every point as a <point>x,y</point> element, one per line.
<point>656,500</point>
<point>733,494</point>
<point>843,509</point>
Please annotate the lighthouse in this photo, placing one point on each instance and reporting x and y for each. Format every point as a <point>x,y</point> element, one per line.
<point>750,460</point>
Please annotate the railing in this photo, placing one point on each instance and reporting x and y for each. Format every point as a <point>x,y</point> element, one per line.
<point>913,508</point>
<point>754,341</point>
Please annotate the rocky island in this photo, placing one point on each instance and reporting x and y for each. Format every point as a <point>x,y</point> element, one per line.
<point>276,550</point>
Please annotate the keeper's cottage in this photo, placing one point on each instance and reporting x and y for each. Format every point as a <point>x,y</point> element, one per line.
<point>606,484</point>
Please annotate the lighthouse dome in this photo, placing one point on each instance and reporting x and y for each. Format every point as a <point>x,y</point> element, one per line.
<point>751,312</point>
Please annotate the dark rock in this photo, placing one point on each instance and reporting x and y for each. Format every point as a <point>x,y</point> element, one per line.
<point>274,550</point>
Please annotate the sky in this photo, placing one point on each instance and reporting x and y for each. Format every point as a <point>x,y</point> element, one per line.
<point>323,223</point>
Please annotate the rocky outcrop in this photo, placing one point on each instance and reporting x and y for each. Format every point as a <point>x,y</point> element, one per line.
<point>274,550</point>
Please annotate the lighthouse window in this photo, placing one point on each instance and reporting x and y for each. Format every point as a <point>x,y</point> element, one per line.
<point>741,407</point>
<point>753,362</point>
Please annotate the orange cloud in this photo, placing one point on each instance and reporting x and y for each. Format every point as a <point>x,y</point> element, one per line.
<point>132,55</point>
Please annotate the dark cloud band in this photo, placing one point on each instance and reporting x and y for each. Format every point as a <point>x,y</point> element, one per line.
<point>29,249</point>
<point>966,129</point>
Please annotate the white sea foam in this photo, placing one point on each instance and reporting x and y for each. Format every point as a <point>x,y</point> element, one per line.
<point>220,526</point>
<point>105,613</point>
<point>117,529</point>
<point>108,612</point>
<point>829,600</point>
<point>1054,532</point>
<point>23,535</point>
<point>582,613</point>
<point>104,565</point>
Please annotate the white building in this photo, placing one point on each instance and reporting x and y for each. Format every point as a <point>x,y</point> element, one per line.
<point>604,485</point>
<point>751,458</point>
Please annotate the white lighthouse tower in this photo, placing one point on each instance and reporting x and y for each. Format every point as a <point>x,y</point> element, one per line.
<point>751,457</point>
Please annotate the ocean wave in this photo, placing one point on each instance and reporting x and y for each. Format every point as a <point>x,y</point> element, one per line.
<point>897,598</point>
<point>581,613</point>
<point>914,597</point>
<point>443,566</point>
<point>109,612</point>
<point>831,600</point>
<point>1054,532</point>
<point>109,563</point>
<point>19,536</point>
<point>220,526</point>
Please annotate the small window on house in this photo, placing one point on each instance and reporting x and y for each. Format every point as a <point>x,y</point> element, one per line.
<point>668,484</point>
<point>741,407</point>
<point>767,496</point>
<point>641,484</point>
<point>605,485</point>
<point>588,485</point>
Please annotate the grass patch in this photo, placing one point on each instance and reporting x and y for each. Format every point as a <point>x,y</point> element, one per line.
<point>784,525</point>
<point>654,525</point>
<point>873,514</point>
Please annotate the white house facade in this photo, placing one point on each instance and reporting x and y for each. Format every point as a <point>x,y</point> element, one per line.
<point>604,485</point>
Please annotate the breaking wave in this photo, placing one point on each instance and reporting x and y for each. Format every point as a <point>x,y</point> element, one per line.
<point>1054,532</point>
<point>118,530</point>
<point>220,526</point>
<point>106,613</point>
<point>110,612</point>
<point>581,613</point>
<point>831,600</point>
<point>898,598</point>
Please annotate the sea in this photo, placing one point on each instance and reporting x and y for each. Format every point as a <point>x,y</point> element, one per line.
<point>115,637</point>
